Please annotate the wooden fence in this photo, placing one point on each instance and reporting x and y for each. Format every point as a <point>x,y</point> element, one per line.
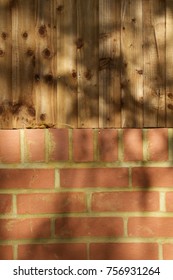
<point>86,63</point>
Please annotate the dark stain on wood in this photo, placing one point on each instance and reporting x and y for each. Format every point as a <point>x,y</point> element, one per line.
<point>1,110</point>
<point>88,75</point>
<point>37,77</point>
<point>31,111</point>
<point>48,78</point>
<point>43,117</point>
<point>79,43</point>
<point>2,53</point>
<point>170,106</point>
<point>15,107</point>
<point>140,72</point>
<point>170,95</point>
<point>60,8</point>
<point>4,35</point>
<point>33,61</point>
<point>105,62</point>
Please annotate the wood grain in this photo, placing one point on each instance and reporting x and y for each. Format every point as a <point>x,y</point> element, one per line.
<point>66,63</point>
<point>169,63</point>
<point>87,63</point>
<point>132,63</point>
<point>5,64</point>
<point>109,64</point>
<point>154,62</point>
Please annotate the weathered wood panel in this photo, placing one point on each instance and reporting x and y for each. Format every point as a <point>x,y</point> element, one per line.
<point>154,62</point>
<point>93,63</point>
<point>132,63</point>
<point>109,63</point>
<point>67,63</point>
<point>23,63</point>
<point>87,63</point>
<point>45,69</point>
<point>5,64</point>
<point>169,63</point>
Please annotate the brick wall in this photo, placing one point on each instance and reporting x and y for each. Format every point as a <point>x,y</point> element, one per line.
<point>86,194</point>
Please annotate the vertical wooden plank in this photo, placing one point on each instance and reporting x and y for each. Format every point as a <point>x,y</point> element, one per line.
<point>15,54</point>
<point>87,63</point>
<point>23,63</point>
<point>5,63</point>
<point>132,63</point>
<point>66,63</point>
<point>109,63</point>
<point>169,63</point>
<point>154,62</point>
<point>45,63</point>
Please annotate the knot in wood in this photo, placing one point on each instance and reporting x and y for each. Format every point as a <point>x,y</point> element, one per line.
<point>140,72</point>
<point>74,74</point>
<point>29,52</point>
<point>42,30</point>
<point>46,53</point>
<point>25,35</point>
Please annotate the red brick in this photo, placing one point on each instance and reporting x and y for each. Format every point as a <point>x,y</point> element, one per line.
<point>69,227</point>
<point>35,145</point>
<point>5,203</point>
<point>24,228</point>
<point>9,146</point>
<point>59,145</point>
<point>94,177</point>
<point>169,201</point>
<point>124,251</point>
<point>150,227</point>
<point>125,201</point>
<point>83,145</point>
<point>158,144</point>
<point>26,178</point>
<point>168,251</point>
<point>152,177</point>
<point>62,251</point>
<point>6,252</point>
<point>133,144</point>
<point>51,203</point>
<point>108,145</point>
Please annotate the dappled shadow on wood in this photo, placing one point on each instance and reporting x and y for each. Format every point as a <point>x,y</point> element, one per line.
<point>105,71</point>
